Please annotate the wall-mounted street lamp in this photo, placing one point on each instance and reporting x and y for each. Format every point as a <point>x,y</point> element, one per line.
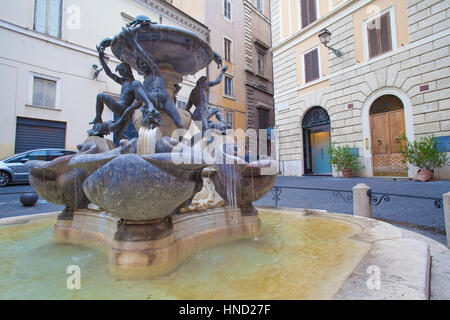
<point>97,70</point>
<point>324,37</point>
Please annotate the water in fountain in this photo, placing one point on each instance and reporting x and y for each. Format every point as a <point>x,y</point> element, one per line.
<point>294,258</point>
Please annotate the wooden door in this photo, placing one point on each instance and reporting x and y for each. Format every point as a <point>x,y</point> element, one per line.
<point>386,129</point>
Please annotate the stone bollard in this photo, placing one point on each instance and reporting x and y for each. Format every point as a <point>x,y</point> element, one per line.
<point>361,201</point>
<point>446,198</point>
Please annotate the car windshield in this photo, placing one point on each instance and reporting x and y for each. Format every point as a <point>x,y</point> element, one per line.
<point>34,155</point>
<point>16,158</point>
<point>46,155</point>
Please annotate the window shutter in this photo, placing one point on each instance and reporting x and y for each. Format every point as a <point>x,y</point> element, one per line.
<point>386,44</point>
<point>304,9</point>
<point>372,34</point>
<point>40,15</point>
<point>312,66</point>
<point>312,11</point>
<point>308,67</point>
<point>38,91</point>
<point>54,17</point>
<point>315,64</point>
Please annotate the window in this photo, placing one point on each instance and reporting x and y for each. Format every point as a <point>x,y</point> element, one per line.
<point>37,155</point>
<point>228,86</point>
<point>47,17</point>
<point>259,5</point>
<point>311,60</point>
<point>229,118</point>
<point>308,12</point>
<point>53,154</point>
<point>18,159</point>
<point>260,58</point>
<point>44,92</point>
<point>263,118</point>
<point>227,9</point>
<point>379,35</point>
<point>227,49</point>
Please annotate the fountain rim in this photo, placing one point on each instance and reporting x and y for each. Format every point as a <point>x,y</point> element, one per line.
<point>167,33</point>
<point>374,232</point>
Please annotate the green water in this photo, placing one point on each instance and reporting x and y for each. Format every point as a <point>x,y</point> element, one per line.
<point>292,258</point>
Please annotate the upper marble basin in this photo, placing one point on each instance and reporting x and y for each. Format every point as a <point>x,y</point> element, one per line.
<point>186,52</point>
<point>138,187</point>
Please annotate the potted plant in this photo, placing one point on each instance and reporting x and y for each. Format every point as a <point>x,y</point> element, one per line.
<point>343,159</point>
<point>423,154</point>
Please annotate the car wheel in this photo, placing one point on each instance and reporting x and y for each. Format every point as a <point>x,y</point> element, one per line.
<point>5,179</point>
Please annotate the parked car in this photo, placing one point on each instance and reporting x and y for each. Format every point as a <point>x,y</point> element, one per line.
<point>12,169</point>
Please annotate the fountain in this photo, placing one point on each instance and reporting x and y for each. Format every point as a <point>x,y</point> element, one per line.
<point>137,200</point>
<point>177,212</point>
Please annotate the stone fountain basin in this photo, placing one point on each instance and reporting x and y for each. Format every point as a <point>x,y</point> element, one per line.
<point>186,52</point>
<point>135,188</point>
<point>360,245</point>
<point>251,181</point>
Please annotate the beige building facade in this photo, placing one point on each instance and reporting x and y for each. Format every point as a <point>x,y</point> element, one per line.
<point>241,34</point>
<point>258,69</point>
<point>388,75</point>
<point>225,19</point>
<point>47,55</point>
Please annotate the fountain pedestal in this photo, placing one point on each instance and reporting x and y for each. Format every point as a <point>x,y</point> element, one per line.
<point>149,248</point>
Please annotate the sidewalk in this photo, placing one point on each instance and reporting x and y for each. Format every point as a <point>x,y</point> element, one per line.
<point>417,215</point>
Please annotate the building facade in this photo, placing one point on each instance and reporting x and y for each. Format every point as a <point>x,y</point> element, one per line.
<point>241,34</point>
<point>258,70</point>
<point>384,72</point>
<point>46,66</point>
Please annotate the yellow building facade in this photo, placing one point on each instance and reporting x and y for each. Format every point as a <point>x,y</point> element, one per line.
<point>383,72</point>
<point>237,29</point>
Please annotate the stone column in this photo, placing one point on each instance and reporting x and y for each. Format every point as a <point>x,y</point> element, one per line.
<point>361,201</point>
<point>446,198</point>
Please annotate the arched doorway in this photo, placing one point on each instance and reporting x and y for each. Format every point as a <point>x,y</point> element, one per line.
<point>387,123</point>
<point>316,141</point>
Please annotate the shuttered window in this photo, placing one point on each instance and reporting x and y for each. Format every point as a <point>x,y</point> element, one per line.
<point>228,86</point>
<point>260,58</point>
<point>263,118</point>
<point>308,12</point>
<point>379,35</point>
<point>259,5</point>
<point>227,9</point>
<point>44,92</point>
<point>229,118</point>
<point>227,49</point>
<point>311,65</point>
<point>47,17</point>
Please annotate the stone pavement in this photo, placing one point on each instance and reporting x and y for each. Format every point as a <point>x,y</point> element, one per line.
<point>417,215</point>
<point>10,205</point>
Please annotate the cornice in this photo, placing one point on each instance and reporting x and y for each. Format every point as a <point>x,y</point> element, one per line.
<point>249,4</point>
<point>169,11</point>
